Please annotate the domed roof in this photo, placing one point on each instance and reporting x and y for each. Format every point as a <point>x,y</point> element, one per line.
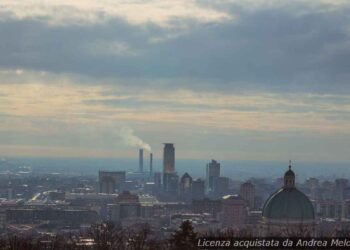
<point>288,204</point>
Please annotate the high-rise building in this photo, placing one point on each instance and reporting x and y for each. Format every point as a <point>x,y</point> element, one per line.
<point>157,176</point>
<point>186,187</point>
<point>170,183</point>
<point>150,164</point>
<point>169,158</point>
<point>141,160</point>
<point>220,186</point>
<point>198,189</point>
<point>213,172</point>
<point>247,192</point>
<point>169,174</point>
<point>110,182</point>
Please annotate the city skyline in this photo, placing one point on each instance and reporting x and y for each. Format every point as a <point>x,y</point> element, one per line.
<point>241,80</point>
<point>174,124</point>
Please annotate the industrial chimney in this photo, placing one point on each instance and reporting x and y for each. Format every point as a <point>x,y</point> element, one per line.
<point>141,160</point>
<point>150,163</point>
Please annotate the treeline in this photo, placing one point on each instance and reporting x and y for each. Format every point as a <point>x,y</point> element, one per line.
<point>105,236</point>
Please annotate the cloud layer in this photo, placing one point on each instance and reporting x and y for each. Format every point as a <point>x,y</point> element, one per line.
<point>240,73</point>
<point>64,115</point>
<point>260,44</point>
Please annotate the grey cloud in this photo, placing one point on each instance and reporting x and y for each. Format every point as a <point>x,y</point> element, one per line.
<point>330,107</point>
<point>270,49</point>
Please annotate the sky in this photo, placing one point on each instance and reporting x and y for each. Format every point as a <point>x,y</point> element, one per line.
<point>244,80</point>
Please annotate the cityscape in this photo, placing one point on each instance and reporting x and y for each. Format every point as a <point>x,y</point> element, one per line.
<point>174,124</point>
<point>45,206</point>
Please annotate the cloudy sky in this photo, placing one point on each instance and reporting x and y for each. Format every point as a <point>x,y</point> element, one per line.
<point>252,79</point>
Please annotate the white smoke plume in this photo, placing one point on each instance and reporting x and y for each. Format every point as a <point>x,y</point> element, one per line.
<point>129,138</point>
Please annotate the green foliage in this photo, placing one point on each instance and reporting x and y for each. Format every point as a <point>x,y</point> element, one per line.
<point>184,238</point>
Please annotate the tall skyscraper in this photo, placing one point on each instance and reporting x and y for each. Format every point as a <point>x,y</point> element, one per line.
<point>186,187</point>
<point>213,172</point>
<point>247,192</point>
<point>150,164</point>
<point>171,183</point>
<point>168,166</point>
<point>198,188</point>
<point>157,176</point>
<point>141,160</point>
<point>169,158</point>
<point>221,186</point>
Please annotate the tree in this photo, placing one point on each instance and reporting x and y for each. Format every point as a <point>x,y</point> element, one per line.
<point>184,238</point>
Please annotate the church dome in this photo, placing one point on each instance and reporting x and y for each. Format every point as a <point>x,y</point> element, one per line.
<point>289,203</point>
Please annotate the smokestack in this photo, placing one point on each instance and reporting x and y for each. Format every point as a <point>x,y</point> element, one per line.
<point>141,160</point>
<point>150,163</point>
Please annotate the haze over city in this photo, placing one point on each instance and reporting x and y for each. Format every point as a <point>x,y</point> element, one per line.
<point>174,124</point>
<point>234,80</point>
